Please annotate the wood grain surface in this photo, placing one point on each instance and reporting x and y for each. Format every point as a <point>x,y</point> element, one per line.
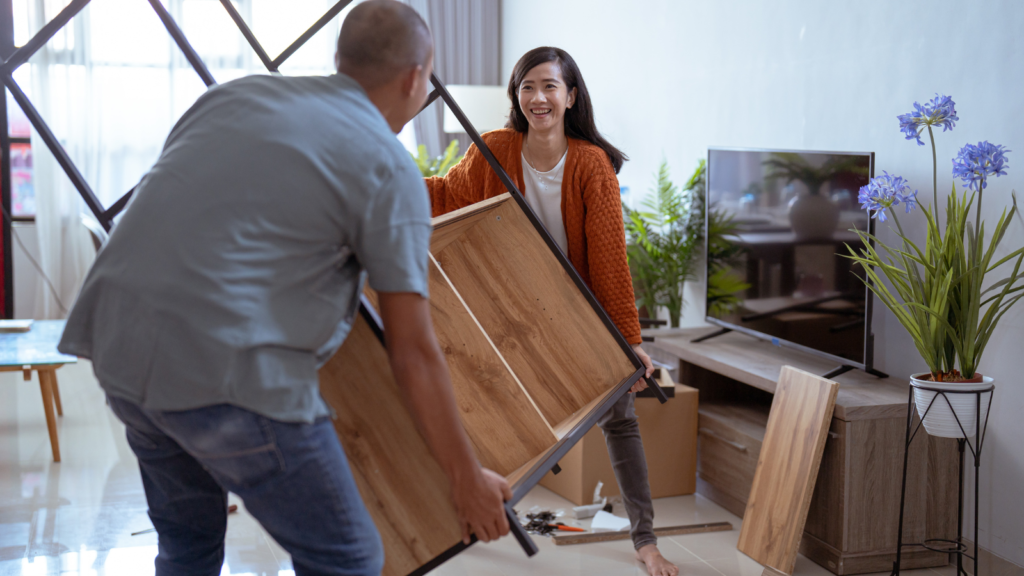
<point>533,312</point>
<point>758,363</point>
<point>563,538</point>
<point>787,468</point>
<point>403,487</point>
<point>506,429</point>
<point>730,439</point>
<point>450,226</point>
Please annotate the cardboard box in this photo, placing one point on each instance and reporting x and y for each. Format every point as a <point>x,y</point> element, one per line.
<point>669,433</point>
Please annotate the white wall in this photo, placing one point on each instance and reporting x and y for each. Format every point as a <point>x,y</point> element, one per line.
<point>27,281</point>
<point>670,78</point>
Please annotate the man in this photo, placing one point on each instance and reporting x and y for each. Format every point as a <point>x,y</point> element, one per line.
<point>236,272</point>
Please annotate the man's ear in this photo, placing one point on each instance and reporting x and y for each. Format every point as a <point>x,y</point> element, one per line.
<point>411,82</point>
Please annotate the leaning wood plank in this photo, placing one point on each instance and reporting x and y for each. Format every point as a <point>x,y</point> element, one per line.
<point>578,538</point>
<point>550,336</point>
<point>403,487</point>
<point>787,468</point>
<point>500,419</point>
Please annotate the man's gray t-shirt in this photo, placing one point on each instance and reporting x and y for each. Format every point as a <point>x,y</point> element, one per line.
<point>236,271</point>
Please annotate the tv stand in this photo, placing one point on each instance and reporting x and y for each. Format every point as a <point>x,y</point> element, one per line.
<point>852,522</point>
<point>846,368</point>
<point>712,335</point>
<point>843,369</point>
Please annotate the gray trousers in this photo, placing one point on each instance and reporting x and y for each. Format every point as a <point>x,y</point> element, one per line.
<point>626,450</point>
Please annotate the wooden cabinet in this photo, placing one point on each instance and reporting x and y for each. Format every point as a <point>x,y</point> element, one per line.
<point>730,439</point>
<point>852,523</point>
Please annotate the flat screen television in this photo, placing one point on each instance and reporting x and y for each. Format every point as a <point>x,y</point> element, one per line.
<point>778,222</point>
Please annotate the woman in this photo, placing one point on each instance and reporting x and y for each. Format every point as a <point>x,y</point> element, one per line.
<point>566,170</point>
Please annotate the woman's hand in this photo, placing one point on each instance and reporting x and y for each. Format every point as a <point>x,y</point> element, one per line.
<point>642,384</point>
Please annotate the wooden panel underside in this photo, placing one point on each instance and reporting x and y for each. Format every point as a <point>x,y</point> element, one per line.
<point>403,487</point>
<point>787,468</point>
<point>526,302</point>
<point>501,421</point>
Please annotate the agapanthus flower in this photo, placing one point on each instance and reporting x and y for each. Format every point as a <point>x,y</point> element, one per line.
<point>886,191</point>
<point>974,164</point>
<point>940,111</point>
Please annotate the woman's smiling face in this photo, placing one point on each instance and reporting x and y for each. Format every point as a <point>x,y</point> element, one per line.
<point>544,97</point>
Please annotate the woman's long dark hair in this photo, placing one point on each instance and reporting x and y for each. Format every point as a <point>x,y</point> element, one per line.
<point>579,120</point>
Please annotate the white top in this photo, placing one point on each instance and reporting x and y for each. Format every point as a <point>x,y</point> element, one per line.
<point>544,194</point>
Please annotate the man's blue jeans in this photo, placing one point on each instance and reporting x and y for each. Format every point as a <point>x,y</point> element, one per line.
<point>293,477</point>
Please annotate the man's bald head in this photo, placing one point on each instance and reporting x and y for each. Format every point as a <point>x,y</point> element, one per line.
<point>381,39</point>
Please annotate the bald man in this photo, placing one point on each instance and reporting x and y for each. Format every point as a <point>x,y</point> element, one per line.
<point>236,273</point>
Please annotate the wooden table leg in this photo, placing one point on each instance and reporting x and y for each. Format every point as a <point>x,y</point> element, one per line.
<point>45,380</point>
<point>56,392</point>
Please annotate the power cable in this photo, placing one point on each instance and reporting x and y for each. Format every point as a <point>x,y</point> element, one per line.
<point>17,238</point>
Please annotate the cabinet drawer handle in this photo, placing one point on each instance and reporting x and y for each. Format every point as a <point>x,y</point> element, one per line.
<point>716,436</point>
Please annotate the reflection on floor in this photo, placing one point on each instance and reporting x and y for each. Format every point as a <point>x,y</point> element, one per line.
<point>77,517</point>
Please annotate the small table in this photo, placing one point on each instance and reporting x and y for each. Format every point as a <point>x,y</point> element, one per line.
<point>37,350</point>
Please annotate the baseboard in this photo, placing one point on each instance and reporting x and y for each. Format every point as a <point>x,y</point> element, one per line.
<point>727,501</point>
<point>870,562</point>
<point>991,563</point>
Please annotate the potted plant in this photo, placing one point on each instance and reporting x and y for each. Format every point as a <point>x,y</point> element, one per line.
<point>436,166</point>
<point>662,245</point>
<point>939,292</point>
<point>812,215</point>
<point>722,251</point>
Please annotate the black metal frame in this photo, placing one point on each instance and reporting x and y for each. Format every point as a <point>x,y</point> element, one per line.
<point>957,546</point>
<point>6,222</point>
<point>869,342</point>
<point>12,59</point>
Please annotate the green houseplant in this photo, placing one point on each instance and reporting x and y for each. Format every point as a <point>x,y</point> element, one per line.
<point>939,292</point>
<point>723,284</point>
<point>440,165</point>
<point>662,245</point>
<point>665,241</point>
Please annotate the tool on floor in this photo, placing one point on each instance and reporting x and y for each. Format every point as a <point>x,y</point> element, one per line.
<point>564,528</point>
<point>563,539</point>
<point>231,510</point>
<point>542,523</point>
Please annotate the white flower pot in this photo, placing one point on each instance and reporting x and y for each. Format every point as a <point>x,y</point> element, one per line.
<point>940,420</point>
<point>813,216</point>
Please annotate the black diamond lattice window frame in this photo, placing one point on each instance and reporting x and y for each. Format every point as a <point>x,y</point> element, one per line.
<point>15,57</point>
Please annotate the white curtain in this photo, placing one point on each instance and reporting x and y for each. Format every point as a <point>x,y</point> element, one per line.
<point>112,83</point>
<point>467,44</point>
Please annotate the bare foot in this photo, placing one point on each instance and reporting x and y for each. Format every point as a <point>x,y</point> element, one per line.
<point>657,565</point>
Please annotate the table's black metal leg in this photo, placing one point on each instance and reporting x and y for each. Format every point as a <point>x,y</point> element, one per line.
<point>960,510</point>
<point>977,476</point>
<point>529,546</point>
<point>903,489</point>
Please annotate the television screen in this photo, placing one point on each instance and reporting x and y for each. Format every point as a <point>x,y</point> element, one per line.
<point>778,223</point>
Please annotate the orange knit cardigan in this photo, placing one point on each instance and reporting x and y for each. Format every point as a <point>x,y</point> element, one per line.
<point>591,213</point>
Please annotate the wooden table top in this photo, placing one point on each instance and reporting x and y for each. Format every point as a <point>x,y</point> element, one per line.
<point>757,363</point>
<point>36,347</point>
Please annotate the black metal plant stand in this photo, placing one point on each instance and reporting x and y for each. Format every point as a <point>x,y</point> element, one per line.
<point>944,545</point>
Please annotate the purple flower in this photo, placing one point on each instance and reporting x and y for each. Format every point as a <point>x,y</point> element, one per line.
<point>974,164</point>
<point>886,191</point>
<point>940,111</point>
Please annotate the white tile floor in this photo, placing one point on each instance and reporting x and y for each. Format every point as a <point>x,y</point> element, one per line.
<point>77,517</point>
